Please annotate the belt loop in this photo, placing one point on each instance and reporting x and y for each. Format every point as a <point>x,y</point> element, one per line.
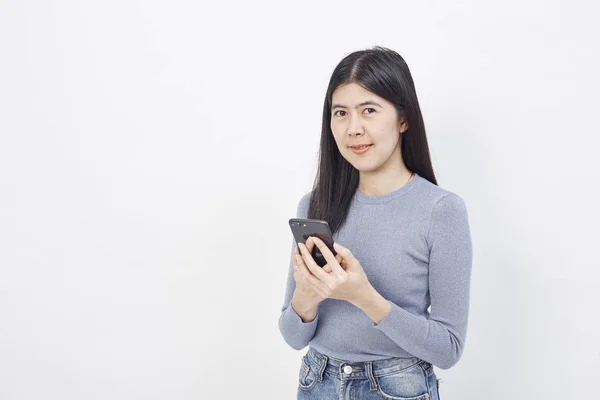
<point>322,367</point>
<point>372,380</point>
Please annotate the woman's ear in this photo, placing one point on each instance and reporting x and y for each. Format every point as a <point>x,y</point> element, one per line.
<point>403,126</point>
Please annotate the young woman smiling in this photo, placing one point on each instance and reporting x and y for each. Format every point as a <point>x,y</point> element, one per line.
<point>394,303</point>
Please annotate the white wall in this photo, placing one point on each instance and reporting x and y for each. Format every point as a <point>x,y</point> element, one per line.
<point>152,152</point>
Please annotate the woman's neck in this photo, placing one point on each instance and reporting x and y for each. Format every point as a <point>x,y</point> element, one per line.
<point>379,184</point>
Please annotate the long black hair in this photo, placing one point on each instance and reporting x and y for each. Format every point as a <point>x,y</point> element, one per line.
<point>385,73</point>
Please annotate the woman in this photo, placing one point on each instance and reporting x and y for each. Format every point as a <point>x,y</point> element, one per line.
<point>403,246</point>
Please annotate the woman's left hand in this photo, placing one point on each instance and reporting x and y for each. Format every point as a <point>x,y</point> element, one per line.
<point>348,283</point>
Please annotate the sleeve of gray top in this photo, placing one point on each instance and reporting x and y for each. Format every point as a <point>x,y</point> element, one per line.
<point>295,332</point>
<point>440,339</point>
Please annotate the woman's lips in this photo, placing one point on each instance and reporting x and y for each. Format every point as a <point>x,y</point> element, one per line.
<point>361,150</point>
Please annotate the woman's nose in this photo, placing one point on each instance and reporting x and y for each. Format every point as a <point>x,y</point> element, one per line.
<point>356,126</point>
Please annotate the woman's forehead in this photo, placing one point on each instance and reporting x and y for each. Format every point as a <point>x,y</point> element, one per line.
<point>351,95</point>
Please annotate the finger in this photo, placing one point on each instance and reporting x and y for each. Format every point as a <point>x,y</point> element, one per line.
<point>331,259</point>
<point>295,254</point>
<point>349,258</point>
<point>310,246</point>
<point>301,265</point>
<point>295,268</point>
<point>306,276</point>
<point>309,243</point>
<point>313,267</point>
<point>340,260</point>
<point>300,269</point>
<point>318,286</point>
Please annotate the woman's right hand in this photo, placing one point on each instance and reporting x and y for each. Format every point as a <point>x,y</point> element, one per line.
<point>305,298</point>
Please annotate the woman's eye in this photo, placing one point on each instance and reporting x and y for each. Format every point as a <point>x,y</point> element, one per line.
<point>342,111</point>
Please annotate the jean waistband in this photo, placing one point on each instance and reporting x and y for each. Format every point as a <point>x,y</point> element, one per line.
<point>364,369</point>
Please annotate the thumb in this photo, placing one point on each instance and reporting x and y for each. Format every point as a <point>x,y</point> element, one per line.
<point>327,268</point>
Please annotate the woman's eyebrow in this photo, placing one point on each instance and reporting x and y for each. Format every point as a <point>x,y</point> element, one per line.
<point>364,103</point>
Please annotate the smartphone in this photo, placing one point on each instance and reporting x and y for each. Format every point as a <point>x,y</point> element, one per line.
<point>303,228</point>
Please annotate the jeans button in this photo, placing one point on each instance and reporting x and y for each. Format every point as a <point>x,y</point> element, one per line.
<point>347,369</point>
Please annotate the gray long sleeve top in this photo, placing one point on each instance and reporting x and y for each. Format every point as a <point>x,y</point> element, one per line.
<point>414,245</point>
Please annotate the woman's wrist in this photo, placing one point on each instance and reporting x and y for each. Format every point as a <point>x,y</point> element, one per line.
<point>306,310</point>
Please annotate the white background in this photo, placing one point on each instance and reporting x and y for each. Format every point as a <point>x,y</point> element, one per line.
<point>152,152</point>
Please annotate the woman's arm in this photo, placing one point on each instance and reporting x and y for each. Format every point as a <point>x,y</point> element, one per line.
<point>439,339</point>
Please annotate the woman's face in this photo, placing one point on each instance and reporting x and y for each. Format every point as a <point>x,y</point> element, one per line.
<point>359,116</point>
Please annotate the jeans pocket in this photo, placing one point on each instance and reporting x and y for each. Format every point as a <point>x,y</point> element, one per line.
<point>307,377</point>
<point>407,384</point>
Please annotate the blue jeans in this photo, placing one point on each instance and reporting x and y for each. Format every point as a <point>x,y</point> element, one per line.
<point>322,377</point>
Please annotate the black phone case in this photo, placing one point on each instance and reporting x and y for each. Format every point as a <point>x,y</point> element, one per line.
<point>303,228</point>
